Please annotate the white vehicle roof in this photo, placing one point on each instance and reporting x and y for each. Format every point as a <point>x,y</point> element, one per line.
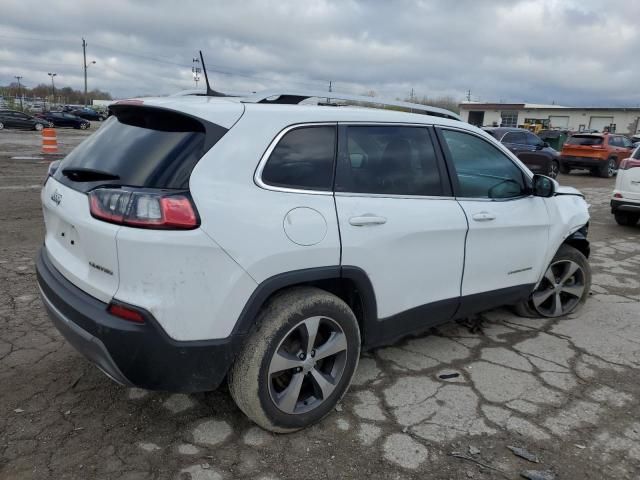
<point>225,111</point>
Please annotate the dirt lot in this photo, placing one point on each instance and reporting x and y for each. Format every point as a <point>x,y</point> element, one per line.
<point>565,390</point>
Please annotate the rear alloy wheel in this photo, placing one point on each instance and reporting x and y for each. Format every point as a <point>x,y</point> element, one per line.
<point>1,125</point>
<point>83,126</point>
<point>563,289</point>
<point>554,168</point>
<point>38,127</point>
<point>608,170</point>
<point>298,362</point>
<point>626,219</point>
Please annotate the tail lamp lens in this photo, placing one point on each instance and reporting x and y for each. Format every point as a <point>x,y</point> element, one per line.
<point>629,163</point>
<point>125,313</point>
<point>143,209</point>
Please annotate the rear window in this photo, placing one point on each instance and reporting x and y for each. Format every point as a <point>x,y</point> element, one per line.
<point>142,147</point>
<point>584,140</point>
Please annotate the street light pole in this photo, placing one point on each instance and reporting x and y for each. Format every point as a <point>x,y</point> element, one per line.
<point>53,87</point>
<point>84,56</point>
<point>19,90</point>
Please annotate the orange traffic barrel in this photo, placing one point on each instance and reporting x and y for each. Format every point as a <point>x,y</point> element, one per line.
<point>49,141</point>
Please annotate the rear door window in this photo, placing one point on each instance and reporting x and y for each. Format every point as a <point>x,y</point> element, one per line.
<point>389,160</point>
<point>140,147</point>
<point>303,159</point>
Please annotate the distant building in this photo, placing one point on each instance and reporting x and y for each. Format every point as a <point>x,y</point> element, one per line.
<point>615,119</point>
<point>102,103</point>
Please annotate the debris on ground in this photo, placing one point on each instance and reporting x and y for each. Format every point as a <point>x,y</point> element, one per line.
<point>473,450</point>
<point>538,475</point>
<point>18,410</point>
<point>523,453</point>
<point>474,324</point>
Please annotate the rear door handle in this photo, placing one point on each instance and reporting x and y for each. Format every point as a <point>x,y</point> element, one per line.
<point>483,217</point>
<point>365,220</point>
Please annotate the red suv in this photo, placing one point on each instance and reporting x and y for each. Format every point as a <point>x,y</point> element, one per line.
<point>599,152</point>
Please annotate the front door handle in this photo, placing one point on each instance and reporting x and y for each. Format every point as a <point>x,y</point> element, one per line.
<point>483,217</point>
<point>365,220</point>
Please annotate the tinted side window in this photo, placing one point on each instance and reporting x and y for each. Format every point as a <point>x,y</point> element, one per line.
<point>626,142</point>
<point>303,159</point>
<point>483,171</point>
<point>533,140</point>
<point>515,137</point>
<point>389,160</point>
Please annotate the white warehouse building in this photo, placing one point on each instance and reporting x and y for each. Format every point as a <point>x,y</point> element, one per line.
<point>615,119</point>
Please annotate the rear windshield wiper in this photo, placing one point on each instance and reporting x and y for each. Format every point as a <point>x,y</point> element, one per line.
<point>88,175</point>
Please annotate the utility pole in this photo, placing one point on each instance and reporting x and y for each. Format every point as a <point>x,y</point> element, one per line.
<point>468,95</point>
<point>196,71</point>
<point>84,56</point>
<point>330,90</point>
<point>19,90</point>
<point>53,87</point>
<point>412,95</point>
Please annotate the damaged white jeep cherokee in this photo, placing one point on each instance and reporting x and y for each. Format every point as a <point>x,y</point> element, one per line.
<point>194,239</point>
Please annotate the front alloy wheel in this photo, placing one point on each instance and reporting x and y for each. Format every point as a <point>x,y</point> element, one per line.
<point>38,127</point>
<point>554,168</point>
<point>563,289</point>
<point>560,290</point>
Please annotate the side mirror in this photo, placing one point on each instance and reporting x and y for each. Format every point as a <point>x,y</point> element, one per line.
<point>543,186</point>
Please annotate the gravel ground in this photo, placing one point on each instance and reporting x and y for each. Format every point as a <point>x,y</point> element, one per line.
<point>565,390</point>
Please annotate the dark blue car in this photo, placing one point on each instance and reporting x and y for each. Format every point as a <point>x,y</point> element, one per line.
<point>62,119</point>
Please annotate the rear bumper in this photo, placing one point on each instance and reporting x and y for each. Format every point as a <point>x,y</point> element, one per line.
<point>586,162</point>
<point>141,355</point>
<point>625,206</point>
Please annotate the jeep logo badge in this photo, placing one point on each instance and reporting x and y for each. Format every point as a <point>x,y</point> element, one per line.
<point>56,197</point>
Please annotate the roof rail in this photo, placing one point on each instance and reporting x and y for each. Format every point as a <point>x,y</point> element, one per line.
<point>295,97</point>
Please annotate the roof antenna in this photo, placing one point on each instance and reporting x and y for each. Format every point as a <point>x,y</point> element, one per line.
<point>210,91</point>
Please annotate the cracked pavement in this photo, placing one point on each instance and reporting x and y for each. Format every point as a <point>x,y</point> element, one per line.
<point>565,389</point>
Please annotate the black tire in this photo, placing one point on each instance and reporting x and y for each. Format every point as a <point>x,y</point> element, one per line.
<point>626,219</point>
<point>1,125</point>
<point>569,254</point>
<point>564,169</point>
<point>608,170</point>
<point>554,168</point>
<point>253,387</point>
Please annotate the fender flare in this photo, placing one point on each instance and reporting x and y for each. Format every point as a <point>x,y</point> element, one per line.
<point>271,285</point>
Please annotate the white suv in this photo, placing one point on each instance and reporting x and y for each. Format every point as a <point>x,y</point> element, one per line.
<point>193,239</point>
<point>625,204</point>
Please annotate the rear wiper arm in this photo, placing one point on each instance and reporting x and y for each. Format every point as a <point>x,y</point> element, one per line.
<point>88,175</point>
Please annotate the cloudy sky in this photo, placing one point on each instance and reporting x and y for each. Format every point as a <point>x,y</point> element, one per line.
<point>571,52</point>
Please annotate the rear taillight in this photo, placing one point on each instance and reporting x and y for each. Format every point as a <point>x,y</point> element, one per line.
<point>144,209</point>
<point>126,313</point>
<point>629,163</point>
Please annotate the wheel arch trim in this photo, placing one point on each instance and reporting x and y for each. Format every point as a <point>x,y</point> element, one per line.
<point>272,285</point>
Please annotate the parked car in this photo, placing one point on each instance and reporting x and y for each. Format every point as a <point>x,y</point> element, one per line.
<point>61,119</point>
<point>274,241</point>
<point>15,119</point>
<point>625,204</point>
<point>88,114</point>
<point>598,152</point>
<point>537,155</point>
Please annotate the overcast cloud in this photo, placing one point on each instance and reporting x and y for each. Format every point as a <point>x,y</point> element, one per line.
<point>578,52</point>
